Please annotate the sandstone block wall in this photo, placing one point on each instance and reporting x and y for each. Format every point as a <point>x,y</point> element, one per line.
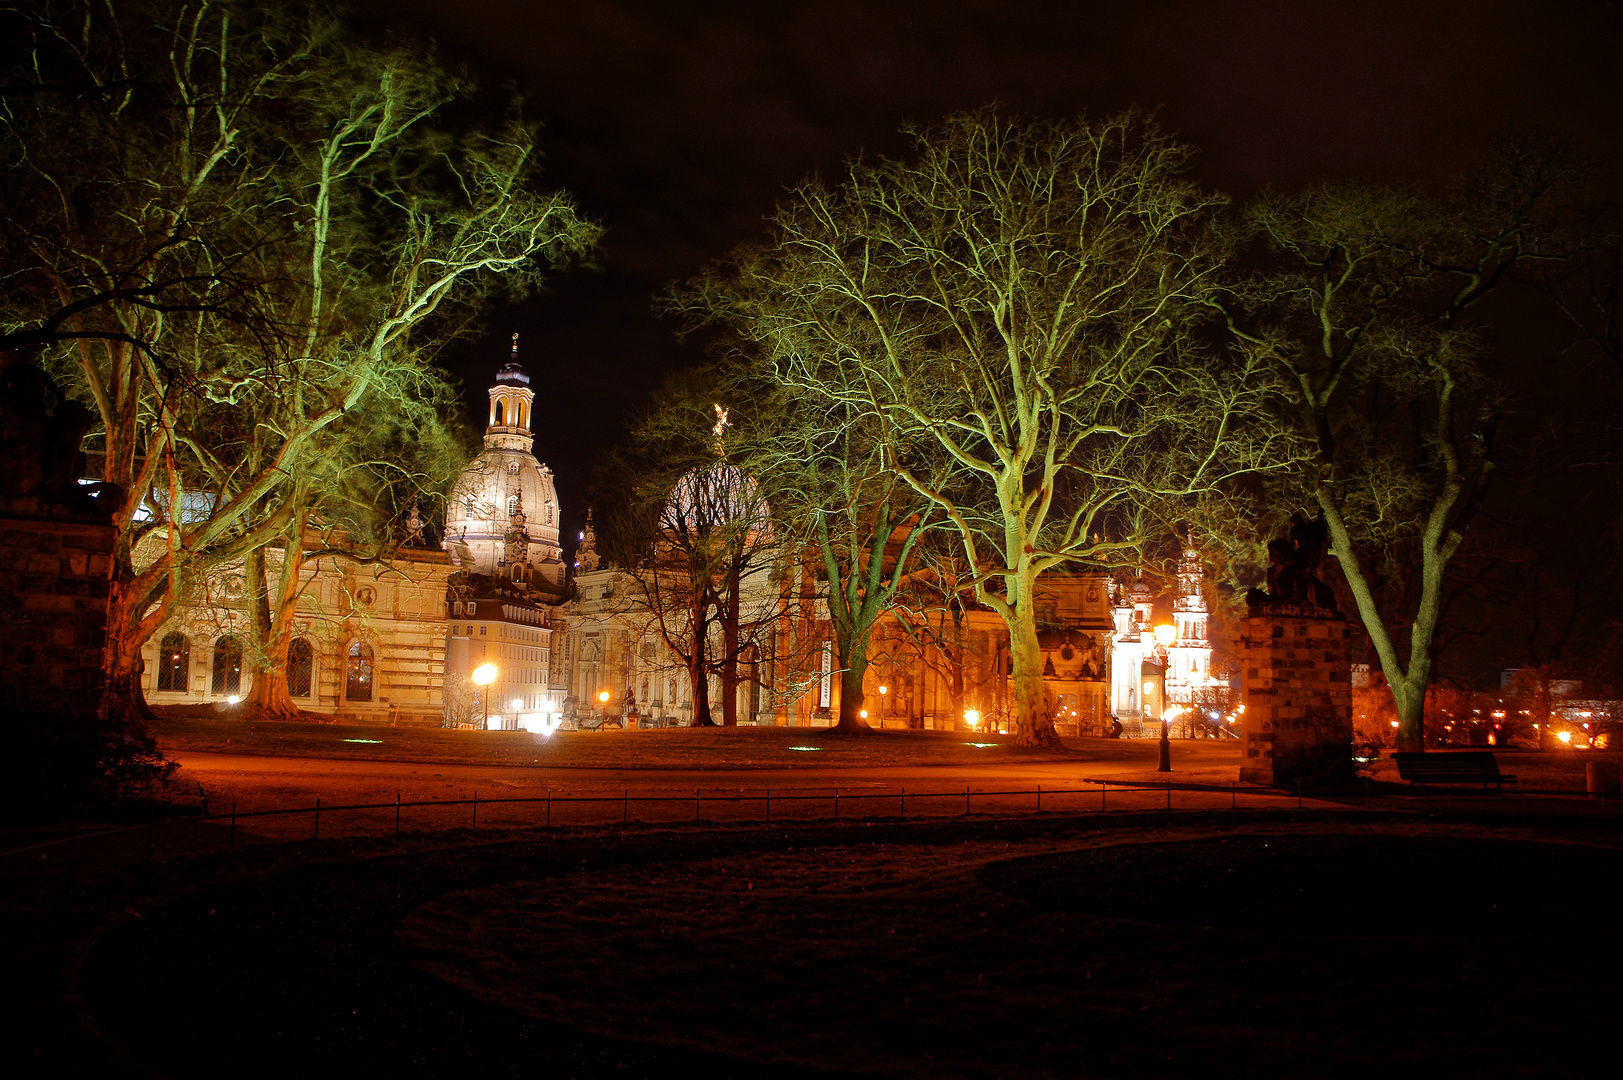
<point>56,568</point>
<point>1295,679</point>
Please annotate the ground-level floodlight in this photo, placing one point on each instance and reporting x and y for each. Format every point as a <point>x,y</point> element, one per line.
<point>484,675</point>
<point>543,724</point>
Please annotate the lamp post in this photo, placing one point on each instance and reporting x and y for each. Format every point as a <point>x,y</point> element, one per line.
<point>603,703</point>
<point>1165,635</point>
<point>484,675</point>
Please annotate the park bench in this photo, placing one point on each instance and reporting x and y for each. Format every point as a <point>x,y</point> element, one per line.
<point>1474,767</point>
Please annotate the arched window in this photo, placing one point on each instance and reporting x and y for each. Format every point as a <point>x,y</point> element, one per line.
<point>358,680</point>
<point>549,513</point>
<point>227,678</point>
<point>499,413</point>
<point>301,668</point>
<point>174,661</point>
<point>512,505</point>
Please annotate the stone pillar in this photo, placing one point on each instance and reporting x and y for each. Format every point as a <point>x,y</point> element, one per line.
<point>56,570</point>
<point>1297,724</point>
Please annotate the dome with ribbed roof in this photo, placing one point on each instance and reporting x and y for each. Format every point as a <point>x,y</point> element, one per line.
<point>504,507</point>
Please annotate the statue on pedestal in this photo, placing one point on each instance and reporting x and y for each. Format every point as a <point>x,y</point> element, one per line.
<point>1293,565</point>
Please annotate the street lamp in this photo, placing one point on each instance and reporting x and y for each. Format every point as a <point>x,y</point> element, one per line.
<point>484,675</point>
<point>972,717</point>
<point>603,702</point>
<point>1165,635</point>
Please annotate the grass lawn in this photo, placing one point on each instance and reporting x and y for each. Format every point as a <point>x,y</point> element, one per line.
<point>1266,946</point>
<point>661,748</point>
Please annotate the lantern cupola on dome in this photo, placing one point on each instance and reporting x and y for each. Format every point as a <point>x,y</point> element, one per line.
<point>511,400</point>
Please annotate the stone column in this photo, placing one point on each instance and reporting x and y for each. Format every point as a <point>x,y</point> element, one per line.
<point>1297,724</point>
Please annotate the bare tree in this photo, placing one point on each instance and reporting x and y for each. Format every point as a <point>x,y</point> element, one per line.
<point>236,218</point>
<point>693,533</point>
<point>1365,313</point>
<point>831,495</point>
<point>1018,297</point>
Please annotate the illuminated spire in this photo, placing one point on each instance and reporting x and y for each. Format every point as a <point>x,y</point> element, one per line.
<point>720,430</point>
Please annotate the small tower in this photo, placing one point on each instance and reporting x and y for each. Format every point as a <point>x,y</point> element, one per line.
<point>510,402</point>
<point>586,553</point>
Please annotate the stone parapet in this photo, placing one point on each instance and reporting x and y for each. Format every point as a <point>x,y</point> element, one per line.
<point>1297,690</point>
<point>56,570</point>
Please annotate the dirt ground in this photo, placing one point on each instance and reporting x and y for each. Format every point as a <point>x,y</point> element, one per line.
<point>1091,945</point>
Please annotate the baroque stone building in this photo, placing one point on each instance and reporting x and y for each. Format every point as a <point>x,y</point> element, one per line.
<point>405,641</point>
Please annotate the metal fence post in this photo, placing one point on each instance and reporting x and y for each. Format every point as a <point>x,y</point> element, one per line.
<point>233,826</point>
<point>397,813</point>
<point>695,804</point>
<point>966,800</point>
<point>1103,787</point>
<point>476,809</point>
<point>625,807</point>
<point>904,802</point>
<point>317,833</point>
<point>769,804</point>
<point>549,808</point>
<point>836,804</point>
<point>1234,796</point>
<point>1039,798</point>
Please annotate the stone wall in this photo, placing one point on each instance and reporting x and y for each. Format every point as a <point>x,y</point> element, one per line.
<point>1297,724</point>
<point>56,567</point>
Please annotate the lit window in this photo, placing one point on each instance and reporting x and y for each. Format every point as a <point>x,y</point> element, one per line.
<point>174,658</point>
<point>358,684</point>
<point>482,630</point>
<point>301,667</point>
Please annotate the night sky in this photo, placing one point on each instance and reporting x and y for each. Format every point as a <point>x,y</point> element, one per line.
<point>679,126</point>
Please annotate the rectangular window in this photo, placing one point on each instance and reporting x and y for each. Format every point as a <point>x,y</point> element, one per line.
<point>482,630</point>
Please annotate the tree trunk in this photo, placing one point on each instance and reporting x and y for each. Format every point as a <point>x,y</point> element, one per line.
<point>853,671</point>
<point>1034,726</point>
<point>729,609</point>
<point>122,699</point>
<point>1410,702</point>
<point>273,627</point>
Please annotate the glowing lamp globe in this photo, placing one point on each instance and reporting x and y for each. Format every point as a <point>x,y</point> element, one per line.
<point>1166,634</point>
<point>484,674</point>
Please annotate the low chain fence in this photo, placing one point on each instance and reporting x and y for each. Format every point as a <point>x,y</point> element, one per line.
<point>212,832</point>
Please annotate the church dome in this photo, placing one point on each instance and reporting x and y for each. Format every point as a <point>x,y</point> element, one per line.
<point>716,495</point>
<point>504,506</point>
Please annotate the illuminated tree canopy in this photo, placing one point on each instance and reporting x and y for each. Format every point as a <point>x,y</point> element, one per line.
<point>227,226</point>
<point>1022,298</point>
